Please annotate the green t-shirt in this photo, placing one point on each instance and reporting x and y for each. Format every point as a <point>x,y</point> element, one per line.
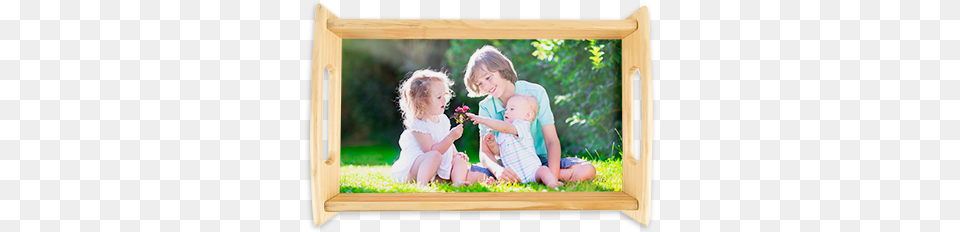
<point>491,107</point>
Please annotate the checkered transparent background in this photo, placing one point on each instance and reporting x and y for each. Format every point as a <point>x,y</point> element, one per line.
<point>192,115</point>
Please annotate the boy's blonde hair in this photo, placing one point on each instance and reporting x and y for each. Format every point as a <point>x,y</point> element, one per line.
<point>415,94</point>
<point>487,59</point>
<point>530,99</point>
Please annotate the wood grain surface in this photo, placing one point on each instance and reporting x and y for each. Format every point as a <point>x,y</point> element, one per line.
<point>481,201</point>
<point>481,29</point>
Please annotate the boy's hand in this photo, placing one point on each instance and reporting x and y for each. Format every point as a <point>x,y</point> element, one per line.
<point>489,139</point>
<point>491,142</point>
<point>456,132</point>
<point>506,175</point>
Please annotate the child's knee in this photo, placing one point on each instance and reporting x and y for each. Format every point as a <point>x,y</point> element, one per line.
<point>543,171</point>
<point>432,157</point>
<point>585,172</point>
<point>461,162</point>
<point>473,175</point>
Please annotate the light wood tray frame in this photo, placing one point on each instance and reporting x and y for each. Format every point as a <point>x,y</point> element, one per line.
<point>634,32</point>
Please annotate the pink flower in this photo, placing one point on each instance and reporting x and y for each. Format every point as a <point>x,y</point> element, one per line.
<point>460,114</point>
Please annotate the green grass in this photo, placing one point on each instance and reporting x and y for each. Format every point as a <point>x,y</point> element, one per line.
<point>368,155</point>
<point>375,178</point>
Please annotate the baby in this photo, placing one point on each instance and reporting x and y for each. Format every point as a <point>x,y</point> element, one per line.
<point>514,145</point>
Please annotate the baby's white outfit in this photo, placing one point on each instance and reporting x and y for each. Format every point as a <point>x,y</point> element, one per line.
<point>410,149</point>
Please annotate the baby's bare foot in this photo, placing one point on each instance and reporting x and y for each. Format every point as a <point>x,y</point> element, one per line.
<point>555,184</point>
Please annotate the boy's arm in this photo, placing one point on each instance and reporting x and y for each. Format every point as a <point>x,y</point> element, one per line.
<point>490,150</point>
<point>487,157</point>
<point>497,125</point>
<point>490,145</point>
<point>552,142</point>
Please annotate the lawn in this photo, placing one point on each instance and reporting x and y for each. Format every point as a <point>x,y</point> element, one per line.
<point>367,170</point>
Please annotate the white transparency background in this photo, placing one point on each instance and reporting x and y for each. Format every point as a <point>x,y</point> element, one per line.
<point>192,116</point>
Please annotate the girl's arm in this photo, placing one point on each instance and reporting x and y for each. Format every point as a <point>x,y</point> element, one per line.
<point>552,142</point>
<point>427,144</point>
<point>497,125</point>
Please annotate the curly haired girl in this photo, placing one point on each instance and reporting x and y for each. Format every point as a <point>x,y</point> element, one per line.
<point>426,144</point>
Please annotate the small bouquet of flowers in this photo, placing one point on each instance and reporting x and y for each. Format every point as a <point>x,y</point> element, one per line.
<point>460,114</point>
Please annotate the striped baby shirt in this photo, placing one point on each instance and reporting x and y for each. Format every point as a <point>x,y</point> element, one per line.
<point>518,153</point>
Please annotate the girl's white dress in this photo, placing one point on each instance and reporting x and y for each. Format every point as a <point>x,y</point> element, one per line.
<point>410,149</point>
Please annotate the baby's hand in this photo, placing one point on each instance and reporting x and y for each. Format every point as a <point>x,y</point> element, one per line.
<point>476,119</point>
<point>456,132</point>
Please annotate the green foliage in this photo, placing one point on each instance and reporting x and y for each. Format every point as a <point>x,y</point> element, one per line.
<point>372,71</point>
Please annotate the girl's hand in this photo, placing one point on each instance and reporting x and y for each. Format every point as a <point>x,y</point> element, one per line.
<point>456,132</point>
<point>462,156</point>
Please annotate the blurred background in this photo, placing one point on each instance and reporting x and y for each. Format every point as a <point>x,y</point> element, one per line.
<point>582,78</point>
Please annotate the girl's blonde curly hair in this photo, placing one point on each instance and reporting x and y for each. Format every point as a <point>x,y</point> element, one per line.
<point>414,94</point>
